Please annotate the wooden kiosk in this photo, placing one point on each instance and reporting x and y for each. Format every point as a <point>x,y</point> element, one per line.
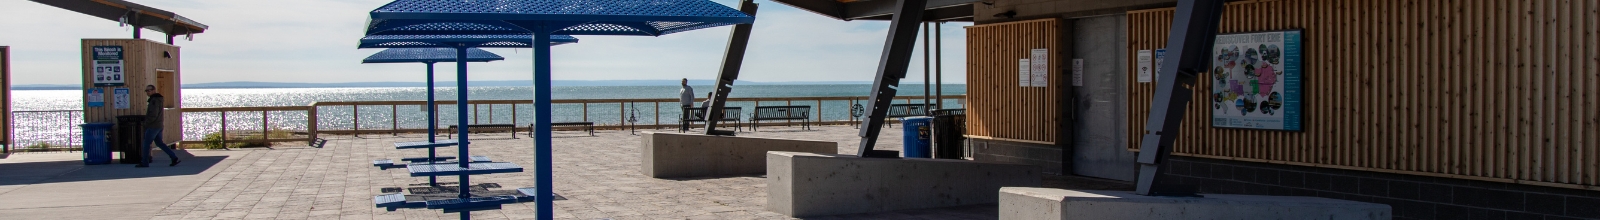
<point>115,72</point>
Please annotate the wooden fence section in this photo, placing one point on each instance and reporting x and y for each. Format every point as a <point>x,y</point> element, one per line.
<point>1494,90</point>
<point>999,108</point>
<point>310,114</point>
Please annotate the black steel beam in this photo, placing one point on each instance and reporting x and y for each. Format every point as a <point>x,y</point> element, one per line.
<point>731,61</point>
<point>891,68</point>
<point>1194,31</point>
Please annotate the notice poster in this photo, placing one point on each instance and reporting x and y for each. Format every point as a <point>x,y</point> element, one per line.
<point>1256,81</point>
<point>107,66</point>
<point>1023,67</point>
<point>119,98</point>
<point>1041,69</point>
<point>1144,66</point>
<point>96,97</point>
<point>1160,55</point>
<point>1077,72</point>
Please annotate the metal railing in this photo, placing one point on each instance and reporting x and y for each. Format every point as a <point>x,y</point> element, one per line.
<point>53,130</point>
<point>268,124</point>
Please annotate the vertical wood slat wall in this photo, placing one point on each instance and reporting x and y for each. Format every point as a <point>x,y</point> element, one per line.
<point>141,59</point>
<point>1505,91</point>
<point>997,108</point>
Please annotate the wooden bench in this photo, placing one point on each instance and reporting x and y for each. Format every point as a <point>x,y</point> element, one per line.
<point>587,126</point>
<point>900,111</point>
<point>510,127</point>
<point>692,115</point>
<point>770,113</point>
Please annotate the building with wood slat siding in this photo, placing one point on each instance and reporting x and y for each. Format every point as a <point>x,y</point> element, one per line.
<point>145,62</point>
<point>1443,109</point>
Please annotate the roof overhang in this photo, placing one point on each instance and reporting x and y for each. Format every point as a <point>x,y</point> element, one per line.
<point>937,10</point>
<point>134,14</point>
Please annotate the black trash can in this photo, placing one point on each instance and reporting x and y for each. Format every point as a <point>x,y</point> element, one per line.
<point>130,130</point>
<point>948,127</point>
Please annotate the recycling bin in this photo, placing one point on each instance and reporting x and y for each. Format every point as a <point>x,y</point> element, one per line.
<point>918,142</point>
<point>95,149</point>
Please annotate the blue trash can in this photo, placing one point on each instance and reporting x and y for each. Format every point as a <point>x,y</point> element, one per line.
<point>918,136</point>
<point>95,149</point>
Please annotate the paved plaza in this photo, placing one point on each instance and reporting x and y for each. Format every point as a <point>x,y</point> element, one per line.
<point>599,176</point>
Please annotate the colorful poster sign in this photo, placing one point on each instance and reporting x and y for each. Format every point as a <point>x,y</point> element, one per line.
<point>1160,55</point>
<point>1023,76</point>
<point>119,98</point>
<point>1256,81</point>
<point>1040,70</point>
<point>96,97</point>
<point>107,66</point>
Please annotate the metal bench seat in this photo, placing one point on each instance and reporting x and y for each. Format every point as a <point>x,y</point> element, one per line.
<point>587,126</point>
<point>425,144</point>
<point>772,113</point>
<point>396,201</point>
<point>385,164</point>
<point>456,169</point>
<point>452,128</point>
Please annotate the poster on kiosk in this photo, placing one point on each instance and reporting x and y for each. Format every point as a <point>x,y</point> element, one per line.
<point>1256,81</point>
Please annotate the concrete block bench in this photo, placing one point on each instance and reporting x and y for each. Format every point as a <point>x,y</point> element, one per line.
<point>673,155</point>
<point>809,184</point>
<point>1047,203</point>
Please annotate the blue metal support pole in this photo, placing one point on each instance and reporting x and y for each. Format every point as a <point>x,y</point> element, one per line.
<point>461,117</point>
<point>541,117</point>
<point>433,120</point>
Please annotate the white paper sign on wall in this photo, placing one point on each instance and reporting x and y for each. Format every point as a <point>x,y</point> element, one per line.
<point>1145,66</point>
<point>119,98</point>
<point>1040,67</point>
<point>1077,72</point>
<point>1023,76</point>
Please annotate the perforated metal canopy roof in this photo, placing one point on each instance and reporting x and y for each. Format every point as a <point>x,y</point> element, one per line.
<point>556,17</point>
<point>436,41</point>
<point>429,55</point>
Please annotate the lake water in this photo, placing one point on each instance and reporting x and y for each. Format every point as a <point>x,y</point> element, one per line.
<point>54,126</point>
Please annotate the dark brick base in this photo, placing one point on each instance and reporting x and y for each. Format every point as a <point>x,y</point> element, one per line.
<point>1047,157</point>
<point>1412,197</point>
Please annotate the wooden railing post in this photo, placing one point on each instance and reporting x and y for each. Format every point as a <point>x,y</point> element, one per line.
<point>224,132</point>
<point>585,111</point>
<point>394,120</point>
<point>514,117</point>
<point>311,123</point>
<point>355,119</point>
<point>658,116</point>
<point>264,126</point>
<point>474,116</point>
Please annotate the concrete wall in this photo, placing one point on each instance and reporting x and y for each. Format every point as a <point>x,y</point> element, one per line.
<point>669,155</point>
<point>1049,203</point>
<point>1100,149</point>
<point>808,184</point>
<point>1413,197</point>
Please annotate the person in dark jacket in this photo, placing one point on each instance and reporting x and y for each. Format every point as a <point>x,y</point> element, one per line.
<point>152,128</point>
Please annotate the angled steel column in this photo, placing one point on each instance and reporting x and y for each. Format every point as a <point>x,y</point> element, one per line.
<point>1194,31</point>
<point>731,61</point>
<point>542,174</point>
<point>891,68</point>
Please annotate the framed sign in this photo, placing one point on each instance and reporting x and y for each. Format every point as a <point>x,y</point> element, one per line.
<point>107,66</point>
<point>1256,81</point>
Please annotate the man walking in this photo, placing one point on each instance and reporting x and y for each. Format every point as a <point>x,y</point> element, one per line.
<point>685,99</point>
<point>152,128</point>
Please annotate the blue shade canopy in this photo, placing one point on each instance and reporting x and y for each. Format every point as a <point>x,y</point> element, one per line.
<point>429,55</point>
<point>436,41</point>
<point>556,17</point>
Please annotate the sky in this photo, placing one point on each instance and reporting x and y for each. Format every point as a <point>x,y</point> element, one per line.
<point>314,41</point>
